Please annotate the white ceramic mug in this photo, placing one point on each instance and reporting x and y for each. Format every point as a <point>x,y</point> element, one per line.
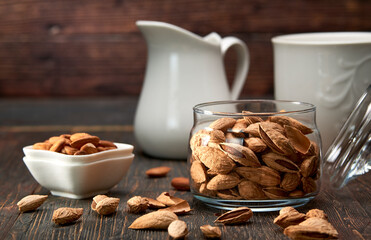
<point>329,70</point>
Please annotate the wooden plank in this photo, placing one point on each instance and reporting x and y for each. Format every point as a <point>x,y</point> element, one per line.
<point>103,68</point>
<point>115,16</point>
<point>345,212</point>
<point>348,209</point>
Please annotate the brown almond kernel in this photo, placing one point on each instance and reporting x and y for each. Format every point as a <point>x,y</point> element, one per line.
<point>158,171</point>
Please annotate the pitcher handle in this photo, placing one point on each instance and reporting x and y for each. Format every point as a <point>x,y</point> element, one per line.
<point>243,62</point>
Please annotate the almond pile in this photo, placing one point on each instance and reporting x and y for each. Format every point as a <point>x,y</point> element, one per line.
<point>75,144</point>
<point>312,225</point>
<point>254,158</point>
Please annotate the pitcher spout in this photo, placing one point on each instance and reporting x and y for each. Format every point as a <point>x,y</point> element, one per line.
<point>161,33</point>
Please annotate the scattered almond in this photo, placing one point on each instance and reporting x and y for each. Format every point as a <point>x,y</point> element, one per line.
<point>107,206</point>
<point>289,216</point>
<point>168,200</point>
<point>235,216</point>
<point>316,213</point>
<point>177,229</point>
<point>180,183</point>
<point>137,204</point>
<point>298,226</point>
<point>31,202</point>
<point>66,215</point>
<point>158,172</point>
<point>179,208</point>
<point>95,201</point>
<point>104,205</point>
<point>154,220</point>
<point>154,204</point>
<point>210,231</point>
<point>312,228</point>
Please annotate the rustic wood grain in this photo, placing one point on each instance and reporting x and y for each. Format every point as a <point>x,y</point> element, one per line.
<point>348,209</point>
<point>93,48</point>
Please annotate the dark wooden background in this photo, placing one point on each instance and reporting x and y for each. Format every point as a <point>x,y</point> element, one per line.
<point>93,48</point>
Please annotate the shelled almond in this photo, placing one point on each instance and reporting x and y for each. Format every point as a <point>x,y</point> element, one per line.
<point>254,158</point>
<point>75,144</point>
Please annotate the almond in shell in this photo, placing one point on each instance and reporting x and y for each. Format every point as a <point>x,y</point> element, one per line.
<point>154,220</point>
<point>210,231</point>
<point>241,154</point>
<point>255,144</point>
<point>235,216</point>
<point>263,175</point>
<point>154,204</point>
<point>290,181</point>
<point>31,202</point>
<point>205,191</point>
<point>223,124</point>
<point>276,140</point>
<point>289,216</point>
<point>179,208</point>
<point>221,182</point>
<point>309,184</point>
<point>309,166</point>
<point>316,213</point>
<point>66,215</point>
<point>275,192</point>
<point>280,163</point>
<point>312,228</point>
<point>298,140</point>
<point>137,204</point>
<point>214,159</point>
<point>230,194</point>
<point>296,194</point>
<point>95,201</point>
<point>197,172</point>
<point>107,205</point>
<point>251,119</point>
<point>177,229</point>
<point>168,200</point>
<point>216,137</point>
<point>253,129</point>
<point>250,190</point>
<point>284,120</point>
<point>239,126</point>
<point>200,138</point>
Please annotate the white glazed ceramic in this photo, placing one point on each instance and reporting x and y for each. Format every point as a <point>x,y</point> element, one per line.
<point>329,70</point>
<point>80,176</point>
<point>183,69</point>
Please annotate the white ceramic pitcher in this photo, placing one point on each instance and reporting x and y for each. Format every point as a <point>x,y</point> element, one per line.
<point>183,69</point>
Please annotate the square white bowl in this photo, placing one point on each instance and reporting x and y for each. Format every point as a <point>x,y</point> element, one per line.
<point>81,176</point>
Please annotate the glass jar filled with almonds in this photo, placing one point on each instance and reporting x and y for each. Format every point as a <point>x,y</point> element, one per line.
<point>263,154</point>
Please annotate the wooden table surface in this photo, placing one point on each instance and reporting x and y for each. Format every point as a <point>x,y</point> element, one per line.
<point>24,122</point>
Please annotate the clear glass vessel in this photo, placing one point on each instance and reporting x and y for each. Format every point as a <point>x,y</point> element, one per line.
<point>263,154</point>
<point>349,156</point>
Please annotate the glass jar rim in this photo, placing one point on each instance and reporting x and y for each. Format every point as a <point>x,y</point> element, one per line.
<point>198,107</point>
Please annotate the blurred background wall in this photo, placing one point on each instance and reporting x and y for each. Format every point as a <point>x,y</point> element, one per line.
<point>93,48</point>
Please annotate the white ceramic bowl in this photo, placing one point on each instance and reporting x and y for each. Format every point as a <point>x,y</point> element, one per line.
<point>81,176</point>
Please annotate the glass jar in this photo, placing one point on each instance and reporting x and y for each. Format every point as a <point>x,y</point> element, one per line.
<point>263,154</point>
